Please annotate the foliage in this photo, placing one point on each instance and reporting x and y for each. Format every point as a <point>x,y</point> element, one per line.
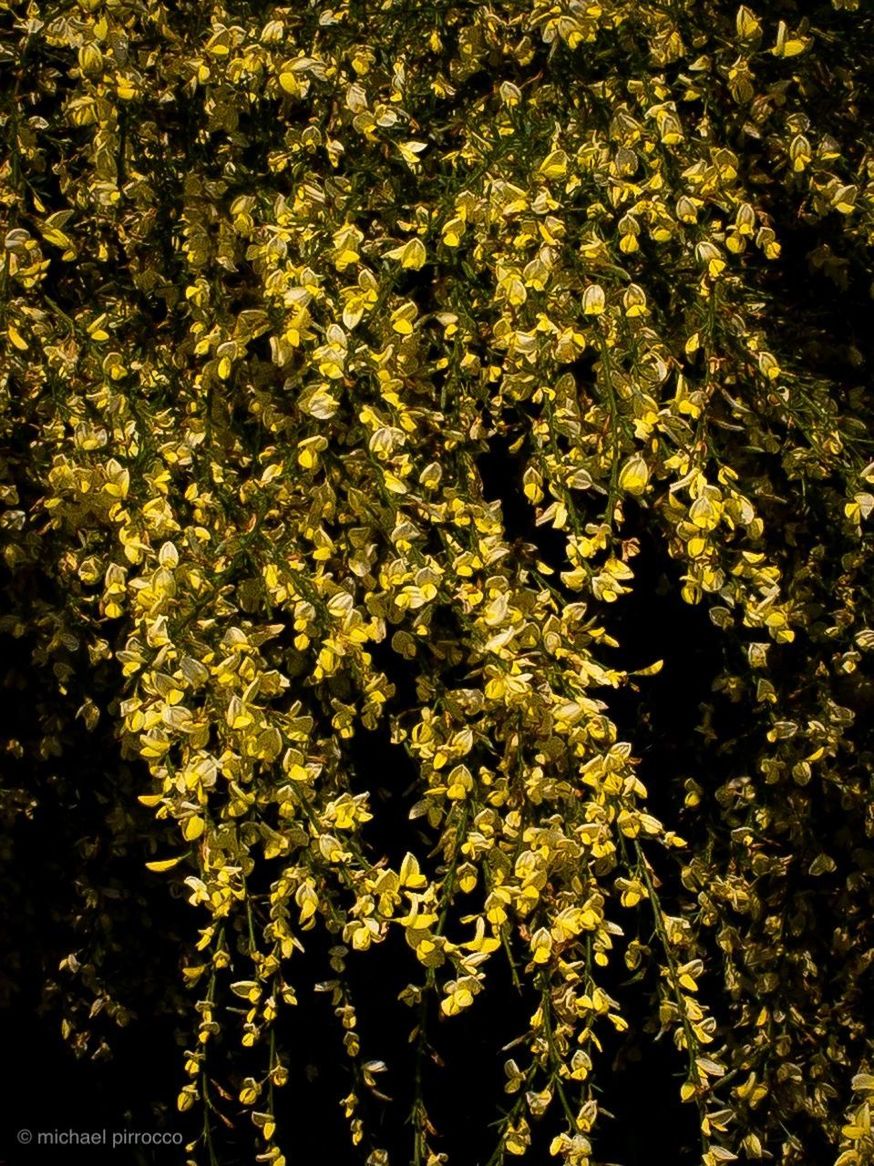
<point>276,281</point>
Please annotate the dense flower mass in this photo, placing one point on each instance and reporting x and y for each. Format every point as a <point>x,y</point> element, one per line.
<point>356,356</point>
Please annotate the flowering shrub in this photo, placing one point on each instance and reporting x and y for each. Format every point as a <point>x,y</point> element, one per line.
<point>357,360</point>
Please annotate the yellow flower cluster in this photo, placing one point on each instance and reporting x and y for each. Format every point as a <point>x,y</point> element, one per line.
<point>276,281</point>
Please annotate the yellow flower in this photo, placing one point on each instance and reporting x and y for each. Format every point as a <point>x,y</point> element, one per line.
<point>634,476</point>
<point>593,300</point>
